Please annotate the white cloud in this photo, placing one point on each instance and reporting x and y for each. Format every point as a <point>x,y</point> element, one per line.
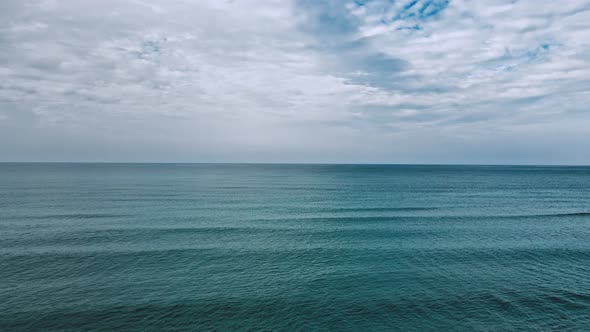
<point>289,81</point>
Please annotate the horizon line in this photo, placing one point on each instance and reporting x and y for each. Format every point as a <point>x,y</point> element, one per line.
<point>287,163</point>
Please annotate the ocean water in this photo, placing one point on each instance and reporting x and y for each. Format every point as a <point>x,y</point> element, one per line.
<point>196,247</point>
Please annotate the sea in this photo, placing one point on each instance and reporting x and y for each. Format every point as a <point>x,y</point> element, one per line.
<point>272,247</point>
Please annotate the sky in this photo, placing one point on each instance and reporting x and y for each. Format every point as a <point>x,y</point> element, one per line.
<point>303,81</point>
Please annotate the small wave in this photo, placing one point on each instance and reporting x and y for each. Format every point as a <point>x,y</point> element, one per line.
<point>71,216</point>
<point>540,215</point>
<point>572,214</point>
<point>380,209</point>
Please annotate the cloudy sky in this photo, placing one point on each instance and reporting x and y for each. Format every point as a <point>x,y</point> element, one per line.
<point>382,81</point>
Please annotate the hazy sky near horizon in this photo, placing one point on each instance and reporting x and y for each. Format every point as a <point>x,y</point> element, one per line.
<point>409,81</point>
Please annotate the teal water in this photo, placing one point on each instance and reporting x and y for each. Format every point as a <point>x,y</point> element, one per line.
<point>153,247</point>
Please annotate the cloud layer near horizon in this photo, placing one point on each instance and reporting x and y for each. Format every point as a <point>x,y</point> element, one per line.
<point>413,81</point>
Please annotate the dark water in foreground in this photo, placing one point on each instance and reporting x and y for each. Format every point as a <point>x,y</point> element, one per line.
<point>294,247</point>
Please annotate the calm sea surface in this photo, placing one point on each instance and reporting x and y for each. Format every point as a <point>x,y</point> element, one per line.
<point>150,247</point>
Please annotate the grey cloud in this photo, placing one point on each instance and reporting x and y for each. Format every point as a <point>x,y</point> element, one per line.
<point>295,81</point>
